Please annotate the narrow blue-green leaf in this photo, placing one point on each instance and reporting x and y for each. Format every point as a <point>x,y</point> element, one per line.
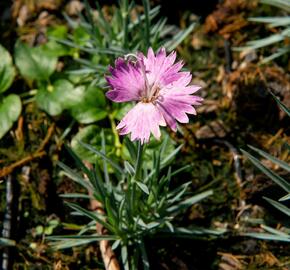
<point>74,176</point>
<point>146,5</point>
<point>91,215</point>
<point>91,226</point>
<point>279,206</point>
<point>78,161</point>
<point>182,169</point>
<point>272,21</point>
<point>72,23</point>
<point>144,256</point>
<point>90,50</point>
<point>105,165</point>
<point>268,236</point>
<point>283,4</point>
<point>169,226</point>
<point>281,105</point>
<point>152,225</point>
<point>190,201</point>
<point>192,232</point>
<point>170,156</point>
<point>75,196</point>
<point>99,153</point>
<point>275,177</point>
<point>82,71</point>
<point>131,148</point>
<point>274,231</point>
<point>140,222</point>
<point>143,187</point>
<point>277,161</point>
<point>177,39</point>
<point>111,211</point>
<point>278,53</point>
<point>97,182</point>
<point>124,256</point>
<point>116,244</point>
<point>263,42</point>
<point>198,230</point>
<point>79,209</point>
<point>285,198</point>
<point>129,168</point>
<point>71,243</point>
<point>94,237</point>
<point>177,193</point>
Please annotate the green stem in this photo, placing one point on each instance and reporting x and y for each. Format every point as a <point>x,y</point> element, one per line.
<point>125,15</point>
<point>146,5</point>
<point>138,166</point>
<point>118,144</point>
<point>144,255</point>
<point>136,177</point>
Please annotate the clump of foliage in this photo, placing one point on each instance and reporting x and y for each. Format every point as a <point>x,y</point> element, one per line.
<point>281,26</point>
<point>139,206</point>
<point>283,234</point>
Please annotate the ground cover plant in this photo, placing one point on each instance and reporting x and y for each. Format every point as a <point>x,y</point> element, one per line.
<point>134,137</point>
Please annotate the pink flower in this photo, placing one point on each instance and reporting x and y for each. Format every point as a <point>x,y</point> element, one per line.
<point>161,90</point>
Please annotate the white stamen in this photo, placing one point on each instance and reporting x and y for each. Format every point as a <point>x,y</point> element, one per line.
<point>147,88</point>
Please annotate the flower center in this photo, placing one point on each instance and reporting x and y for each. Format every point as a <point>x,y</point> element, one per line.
<point>153,95</point>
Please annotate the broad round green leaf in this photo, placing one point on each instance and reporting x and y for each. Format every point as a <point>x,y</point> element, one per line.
<point>34,63</point>
<point>57,97</point>
<point>53,47</point>
<point>7,71</point>
<point>10,109</point>
<point>91,108</point>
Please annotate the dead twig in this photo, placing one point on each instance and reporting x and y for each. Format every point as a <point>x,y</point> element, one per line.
<point>37,154</point>
<point>108,255</point>
<point>47,138</point>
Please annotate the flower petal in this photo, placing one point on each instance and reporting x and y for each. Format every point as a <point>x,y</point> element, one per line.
<point>127,81</point>
<point>175,103</point>
<point>157,66</point>
<point>142,120</point>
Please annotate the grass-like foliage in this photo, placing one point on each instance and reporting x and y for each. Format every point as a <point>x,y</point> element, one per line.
<point>140,204</point>
<point>120,34</point>
<point>270,233</point>
<point>281,25</point>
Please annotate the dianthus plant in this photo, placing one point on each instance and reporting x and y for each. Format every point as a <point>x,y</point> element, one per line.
<point>137,200</point>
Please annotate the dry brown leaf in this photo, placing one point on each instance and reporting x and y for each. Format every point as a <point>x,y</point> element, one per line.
<point>212,130</point>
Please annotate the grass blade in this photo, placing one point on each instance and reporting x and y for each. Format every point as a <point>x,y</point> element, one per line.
<point>281,105</point>
<point>275,177</point>
<point>190,201</point>
<point>92,215</point>
<point>177,39</point>
<point>284,209</point>
<point>103,156</point>
<point>275,160</point>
